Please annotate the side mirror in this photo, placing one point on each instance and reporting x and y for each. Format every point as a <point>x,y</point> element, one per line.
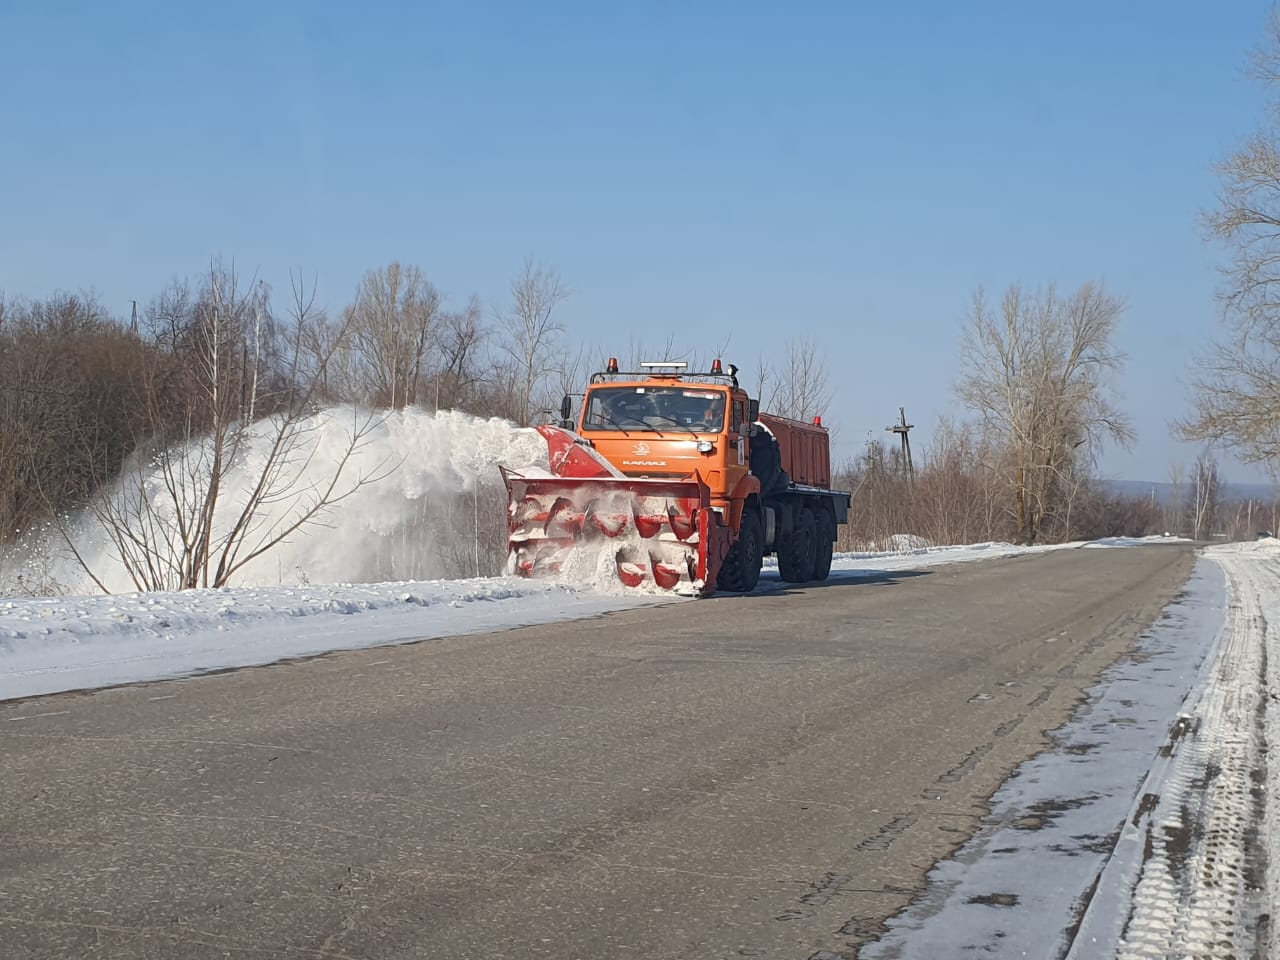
<point>566,407</point>
<point>753,410</point>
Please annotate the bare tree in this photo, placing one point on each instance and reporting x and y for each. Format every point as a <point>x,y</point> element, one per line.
<point>766,384</point>
<point>457,374</point>
<point>957,496</point>
<point>1241,519</point>
<point>532,332</point>
<point>67,371</point>
<point>391,323</point>
<point>233,464</point>
<point>567,378</point>
<point>719,351</point>
<point>1208,492</point>
<point>1236,385</point>
<point>673,347</point>
<point>1037,372</point>
<point>1105,514</point>
<point>801,389</point>
<point>326,357</point>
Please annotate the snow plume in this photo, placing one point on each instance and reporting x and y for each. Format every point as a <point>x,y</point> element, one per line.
<point>437,511</point>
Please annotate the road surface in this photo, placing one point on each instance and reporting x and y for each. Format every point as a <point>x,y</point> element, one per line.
<point>768,776</point>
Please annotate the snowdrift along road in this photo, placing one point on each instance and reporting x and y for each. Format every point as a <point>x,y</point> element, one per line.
<point>49,644</point>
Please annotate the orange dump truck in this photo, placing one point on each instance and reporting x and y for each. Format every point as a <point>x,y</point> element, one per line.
<point>675,481</point>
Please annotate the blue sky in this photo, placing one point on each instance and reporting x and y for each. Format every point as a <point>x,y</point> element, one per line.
<point>847,171</point>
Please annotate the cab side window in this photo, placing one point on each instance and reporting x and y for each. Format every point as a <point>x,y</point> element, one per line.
<point>739,424</point>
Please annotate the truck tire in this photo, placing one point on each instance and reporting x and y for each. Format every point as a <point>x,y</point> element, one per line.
<point>826,535</point>
<point>741,570</point>
<point>796,554</point>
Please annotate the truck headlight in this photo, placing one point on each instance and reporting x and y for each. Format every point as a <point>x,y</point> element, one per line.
<point>705,446</point>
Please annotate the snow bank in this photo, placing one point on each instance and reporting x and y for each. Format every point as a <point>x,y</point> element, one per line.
<point>67,643</point>
<point>1162,845</point>
<point>1187,874</point>
<point>898,559</point>
<point>95,641</point>
<point>1045,840</point>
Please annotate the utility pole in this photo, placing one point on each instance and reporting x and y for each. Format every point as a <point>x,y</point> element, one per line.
<point>902,429</point>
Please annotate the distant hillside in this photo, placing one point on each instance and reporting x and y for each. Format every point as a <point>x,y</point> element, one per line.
<point>1164,492</point>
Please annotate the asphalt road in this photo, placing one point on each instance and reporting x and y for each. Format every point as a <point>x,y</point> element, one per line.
<point>768,776</point>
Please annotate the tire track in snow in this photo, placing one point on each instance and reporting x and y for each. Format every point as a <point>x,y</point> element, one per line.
<point>1197,890</point>
<point>1023,882</point>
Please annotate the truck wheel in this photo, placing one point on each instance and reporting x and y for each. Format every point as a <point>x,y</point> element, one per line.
<point>741,570</point>
<point>826,535</point>
<point>796,556</point>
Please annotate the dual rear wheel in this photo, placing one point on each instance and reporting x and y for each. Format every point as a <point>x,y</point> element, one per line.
<point>806,554</point>
<point>802,557</point>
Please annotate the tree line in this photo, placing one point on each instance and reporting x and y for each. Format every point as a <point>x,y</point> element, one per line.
<point>962,489</point>
<point>140,425</point>
<point>161,409</point>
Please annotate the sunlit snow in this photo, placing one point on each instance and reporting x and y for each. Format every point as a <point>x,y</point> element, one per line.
<point>435,512</point>
<point>68,643</point>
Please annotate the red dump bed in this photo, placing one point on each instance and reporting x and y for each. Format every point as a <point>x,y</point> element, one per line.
<point>805,449</point>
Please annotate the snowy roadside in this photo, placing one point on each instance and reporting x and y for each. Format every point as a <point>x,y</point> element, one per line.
<point>71,643</point>
<point>1144,831</point>
<point>1018,885</point>
<point>49,645</point>
<point>1196,866</point>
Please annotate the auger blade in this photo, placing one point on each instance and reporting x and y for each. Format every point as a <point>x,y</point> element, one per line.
<point>658,535</point>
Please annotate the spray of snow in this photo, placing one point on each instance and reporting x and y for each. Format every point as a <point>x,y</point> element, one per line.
<point>437,513</point>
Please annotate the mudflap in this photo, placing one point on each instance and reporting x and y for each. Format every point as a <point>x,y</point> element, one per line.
<point>651,535</point>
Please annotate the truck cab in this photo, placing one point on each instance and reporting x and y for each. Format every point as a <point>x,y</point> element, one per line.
<point>666,424</point>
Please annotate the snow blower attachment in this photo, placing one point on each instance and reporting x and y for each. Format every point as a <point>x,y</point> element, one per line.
<point>590,519</point>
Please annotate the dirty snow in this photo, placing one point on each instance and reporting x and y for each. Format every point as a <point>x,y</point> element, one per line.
<point>1143,831</point>
<point>1016,888</point>
<point>1191,864</point>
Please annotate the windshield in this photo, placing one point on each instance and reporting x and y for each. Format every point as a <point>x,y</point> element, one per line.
<point>654,409</point>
